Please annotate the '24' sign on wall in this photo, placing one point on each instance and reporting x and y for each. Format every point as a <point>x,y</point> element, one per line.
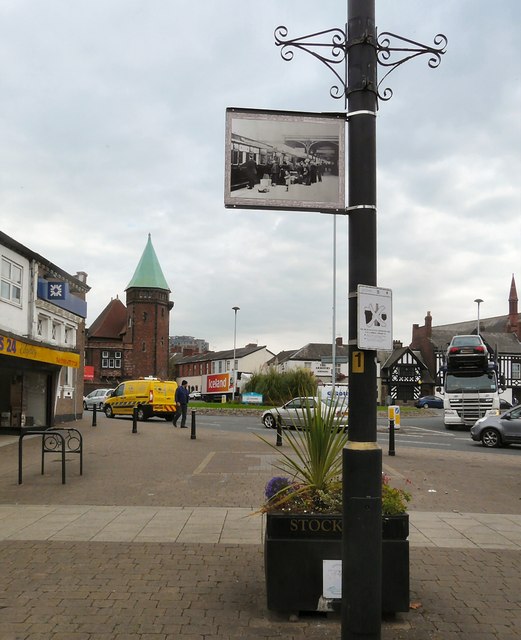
<point>7,345</point>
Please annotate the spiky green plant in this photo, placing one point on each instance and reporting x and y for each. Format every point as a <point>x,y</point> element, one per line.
<point>315,459</point>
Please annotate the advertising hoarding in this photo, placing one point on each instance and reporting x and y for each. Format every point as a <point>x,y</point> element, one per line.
<point>218,383</point>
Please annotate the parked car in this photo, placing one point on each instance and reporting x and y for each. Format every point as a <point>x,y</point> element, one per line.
<point>195,395</point>
<point>290,414</point>
<point>429,402</point>
<point>341,406</point>
<point>500,430</point>
<point>97,398</point>
<point>467,351</point>
<point>293,412</point>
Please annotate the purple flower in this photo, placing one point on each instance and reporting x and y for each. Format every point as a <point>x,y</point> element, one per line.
<point>275,485</point>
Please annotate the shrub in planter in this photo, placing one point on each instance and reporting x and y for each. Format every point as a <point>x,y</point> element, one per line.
<point>304,519</point>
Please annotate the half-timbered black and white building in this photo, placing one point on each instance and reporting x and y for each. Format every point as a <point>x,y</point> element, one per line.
<point>404,376</point>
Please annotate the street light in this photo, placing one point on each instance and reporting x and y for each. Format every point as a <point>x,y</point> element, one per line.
<point>234,372</point>
<point>479,301</point>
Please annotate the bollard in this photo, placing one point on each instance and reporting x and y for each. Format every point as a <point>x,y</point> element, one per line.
<point>192,432</point>
<point>393,413</point>
<point>134,420</point>
<point>279,432</point>
<point>94,423</point>
<point>391,438</point>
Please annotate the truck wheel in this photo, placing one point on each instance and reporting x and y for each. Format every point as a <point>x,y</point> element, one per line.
<point>108,411</point>
<point>490,438</point>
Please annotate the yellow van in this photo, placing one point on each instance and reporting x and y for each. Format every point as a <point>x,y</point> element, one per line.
<point>151,396</point>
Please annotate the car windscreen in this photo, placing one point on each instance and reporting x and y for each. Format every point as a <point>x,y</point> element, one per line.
<point>470,383</point>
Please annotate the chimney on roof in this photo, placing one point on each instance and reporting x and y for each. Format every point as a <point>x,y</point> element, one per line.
<point>397,344</point>
<point>428,325</point>
<point>339,341</point>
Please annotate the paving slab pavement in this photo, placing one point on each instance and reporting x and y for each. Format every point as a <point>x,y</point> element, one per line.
<point>231,525</point>
<point>156,541</point>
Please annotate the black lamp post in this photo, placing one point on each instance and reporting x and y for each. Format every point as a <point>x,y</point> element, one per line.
<point>361,50</point>
<point>362,457</point>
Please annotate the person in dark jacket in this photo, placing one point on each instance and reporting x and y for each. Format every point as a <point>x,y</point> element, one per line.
<point>251,171</point>
<point>182,397</point>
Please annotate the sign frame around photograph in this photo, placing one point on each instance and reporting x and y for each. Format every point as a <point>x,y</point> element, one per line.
<point>298,160</point>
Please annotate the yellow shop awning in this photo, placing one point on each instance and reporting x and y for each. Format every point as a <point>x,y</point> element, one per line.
<point>17,348</point>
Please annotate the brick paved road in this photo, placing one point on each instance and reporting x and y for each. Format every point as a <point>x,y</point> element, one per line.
<point>72,590</point>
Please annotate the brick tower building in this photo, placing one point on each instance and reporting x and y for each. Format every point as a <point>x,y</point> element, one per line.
<point>128,342</point>
<point>148,317</point>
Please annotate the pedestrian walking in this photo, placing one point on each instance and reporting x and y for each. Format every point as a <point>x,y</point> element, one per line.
<point>182,397</point>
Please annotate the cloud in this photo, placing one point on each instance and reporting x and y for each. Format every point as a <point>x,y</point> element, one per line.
<point>112,127</point>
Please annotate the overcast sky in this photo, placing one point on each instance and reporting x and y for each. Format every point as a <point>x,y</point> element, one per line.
<point>112,126</point>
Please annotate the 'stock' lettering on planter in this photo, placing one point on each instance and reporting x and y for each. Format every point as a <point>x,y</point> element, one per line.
<point>314,525</point>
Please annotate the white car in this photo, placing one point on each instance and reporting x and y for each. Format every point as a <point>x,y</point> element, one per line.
<point>290,414</point>
<point>341,407</point>
<point>97,398</point>
<point>195,395</point>
<point>293,413</point>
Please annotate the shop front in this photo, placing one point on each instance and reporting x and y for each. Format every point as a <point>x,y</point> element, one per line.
<point>37,384</point>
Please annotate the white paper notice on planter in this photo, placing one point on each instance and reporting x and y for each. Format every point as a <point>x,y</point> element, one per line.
<point>332,578</point>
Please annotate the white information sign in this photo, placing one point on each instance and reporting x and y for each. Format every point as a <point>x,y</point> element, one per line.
<point>375,330</point>
<point>332,578</point>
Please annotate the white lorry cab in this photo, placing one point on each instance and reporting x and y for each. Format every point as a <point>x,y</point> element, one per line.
<point>469,395</point>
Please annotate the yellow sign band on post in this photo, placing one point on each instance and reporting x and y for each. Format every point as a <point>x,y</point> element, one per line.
<point>362,446</point>
<point>19,349</point>
<point>358,363</point>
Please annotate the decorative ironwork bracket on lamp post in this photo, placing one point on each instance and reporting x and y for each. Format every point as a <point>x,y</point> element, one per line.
<point>392,51</point>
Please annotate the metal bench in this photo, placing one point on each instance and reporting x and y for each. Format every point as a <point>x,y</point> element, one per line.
<point>63,440</point>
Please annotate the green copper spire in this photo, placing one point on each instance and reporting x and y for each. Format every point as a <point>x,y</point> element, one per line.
<point>148,273</point>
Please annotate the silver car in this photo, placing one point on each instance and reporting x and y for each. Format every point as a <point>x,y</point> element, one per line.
<point>290,414</point>
<point>501,430</point>
<point>97,398</point>
<point>293,413</point>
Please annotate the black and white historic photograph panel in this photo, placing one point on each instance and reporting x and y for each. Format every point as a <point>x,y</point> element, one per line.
<point>289,160</point>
